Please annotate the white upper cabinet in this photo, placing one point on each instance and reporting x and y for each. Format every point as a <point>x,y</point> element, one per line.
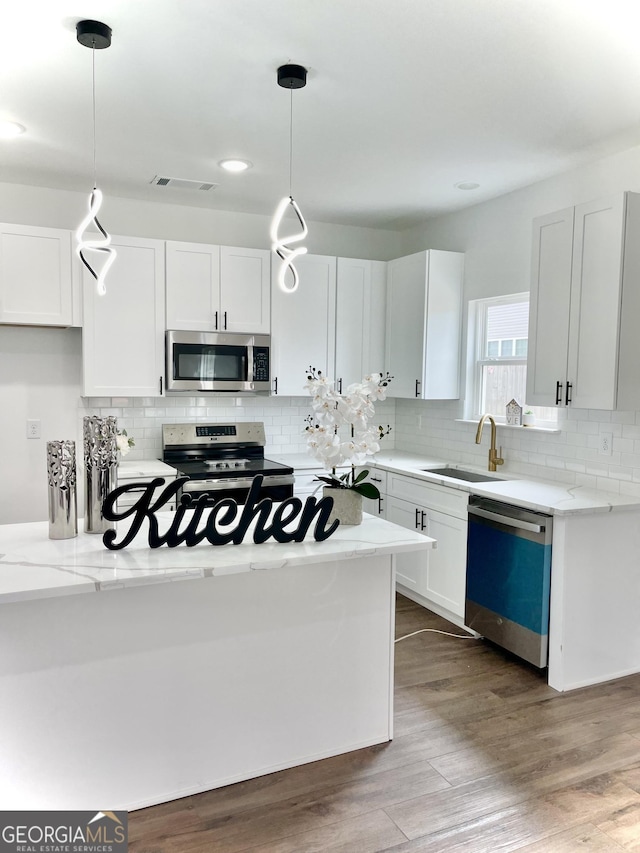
<point>217,288</point>
<point>549,307</point>
<point>583,311</point>
<point>123,331</point>
<point>424,312</point>
<point>35,276</point>
<point>303,325</point>
<point>360,319</point>
<point>245,290</point>
<point>193,287</point>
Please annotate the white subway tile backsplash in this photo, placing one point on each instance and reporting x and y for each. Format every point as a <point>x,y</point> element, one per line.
<point>283,418</point>
<point>571,455</point>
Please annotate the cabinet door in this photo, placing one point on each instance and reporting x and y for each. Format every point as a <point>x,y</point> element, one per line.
<point>353,308</point>
<point>441,371</point>
<point>303,325</point>
<point>596,285</point>
<point>411,568</point>
<point>375,506</point>
<point>406,305</point>
<point>245,290</point>
<point>360,319</point>
<point>447,564</point>
<point>374,358</point>
<point>123,331</point>
<point>193,287</point>
<point>549,306</point>
<point>35,276</point>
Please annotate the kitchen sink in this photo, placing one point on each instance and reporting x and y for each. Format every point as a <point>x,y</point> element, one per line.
<point>461,474</point>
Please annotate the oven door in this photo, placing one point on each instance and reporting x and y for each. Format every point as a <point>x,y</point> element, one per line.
<point>217,362</point>
<point>278,488</point>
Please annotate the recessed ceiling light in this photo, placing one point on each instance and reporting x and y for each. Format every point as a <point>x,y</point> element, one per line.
<point>235,165</point>
<point>9,129</point>
<point>466,185</point>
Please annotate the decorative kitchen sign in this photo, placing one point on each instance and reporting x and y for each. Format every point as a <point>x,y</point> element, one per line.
<point>514,413</point>
<point>217,525</point>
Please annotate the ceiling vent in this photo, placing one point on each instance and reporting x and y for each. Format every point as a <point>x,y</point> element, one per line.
<point>182,184</point>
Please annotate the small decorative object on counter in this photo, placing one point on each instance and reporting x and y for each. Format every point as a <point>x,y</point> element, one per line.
<point>351,410</point>
<point>101,465</point>
<point>514,413</point>
<point>528,419</point>
<point>63,503</point>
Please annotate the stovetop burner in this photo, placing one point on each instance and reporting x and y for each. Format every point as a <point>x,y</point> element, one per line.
<point>216,464</point>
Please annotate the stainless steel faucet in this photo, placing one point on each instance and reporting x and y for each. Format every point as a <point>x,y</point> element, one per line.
<point>494,458</point>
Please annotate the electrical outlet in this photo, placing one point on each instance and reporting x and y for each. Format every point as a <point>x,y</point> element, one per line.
<point>33,428</point>
<point>606,443</point>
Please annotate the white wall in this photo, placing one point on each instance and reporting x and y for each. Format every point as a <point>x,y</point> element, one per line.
<point>496,235</point>
<point>40,377</point>
<point>29,205</point>
<point>496,239</point>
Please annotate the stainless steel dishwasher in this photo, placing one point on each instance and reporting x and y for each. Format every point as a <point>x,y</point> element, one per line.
<point>509,577</point>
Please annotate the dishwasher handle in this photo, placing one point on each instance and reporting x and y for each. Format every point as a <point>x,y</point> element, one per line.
<point>506,520</point>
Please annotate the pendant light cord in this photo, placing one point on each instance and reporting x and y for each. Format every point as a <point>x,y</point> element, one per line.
<point>291,142</point>
<point>93,97</point>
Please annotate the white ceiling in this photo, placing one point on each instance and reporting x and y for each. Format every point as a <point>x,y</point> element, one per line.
<point>404,99</point>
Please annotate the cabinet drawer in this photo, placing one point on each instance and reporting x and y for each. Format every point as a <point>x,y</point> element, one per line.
<point>441,498</point>
<point>131,497</point>
<point>306,482</point>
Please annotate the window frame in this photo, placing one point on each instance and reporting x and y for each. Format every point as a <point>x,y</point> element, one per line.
<point>476,360</point>
<point>480,360</point>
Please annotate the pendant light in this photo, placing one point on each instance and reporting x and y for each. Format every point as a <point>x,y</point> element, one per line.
<point>289,77</point>
<point>97,36</point>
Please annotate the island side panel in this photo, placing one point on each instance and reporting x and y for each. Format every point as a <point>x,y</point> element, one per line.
<point>594,631</point>
<point>141,695</point>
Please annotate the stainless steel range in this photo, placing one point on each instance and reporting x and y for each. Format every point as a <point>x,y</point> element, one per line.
<point>221,460</point>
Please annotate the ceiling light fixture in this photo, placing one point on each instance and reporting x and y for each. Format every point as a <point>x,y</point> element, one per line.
<point>466,185</point>
<point>10,129</point>
<point>97,36</point>
<point>289,77</point>
<point>235,165</point>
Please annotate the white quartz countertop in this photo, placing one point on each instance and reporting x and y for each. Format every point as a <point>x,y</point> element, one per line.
<point>550,497</point>
<point>540,495</point>
<point>34,566</point>
<point>144,469</point>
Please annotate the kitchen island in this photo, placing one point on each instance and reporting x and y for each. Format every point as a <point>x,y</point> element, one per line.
<point>134,677</point>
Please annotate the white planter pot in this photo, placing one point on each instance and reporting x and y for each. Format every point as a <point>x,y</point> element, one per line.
<point>347,505</point>
<point>528,420</point>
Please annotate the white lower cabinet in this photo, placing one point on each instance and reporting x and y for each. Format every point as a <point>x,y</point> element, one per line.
<point>306,483</point>
<point>437,579</point>
<point>375,506</point>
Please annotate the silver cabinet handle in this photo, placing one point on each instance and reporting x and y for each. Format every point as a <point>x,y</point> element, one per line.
<point>506,520</point>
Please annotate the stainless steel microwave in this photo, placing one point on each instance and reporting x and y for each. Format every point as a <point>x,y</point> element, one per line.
<point>208,361</point>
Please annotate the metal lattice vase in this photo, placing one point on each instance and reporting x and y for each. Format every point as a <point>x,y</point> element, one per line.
<point>101,466</point>
<point>63,502</point>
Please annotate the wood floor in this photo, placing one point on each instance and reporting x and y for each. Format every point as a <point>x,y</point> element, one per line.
<point>485,758</point>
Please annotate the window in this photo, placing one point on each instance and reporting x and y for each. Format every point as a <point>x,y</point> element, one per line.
<point>500,327</point>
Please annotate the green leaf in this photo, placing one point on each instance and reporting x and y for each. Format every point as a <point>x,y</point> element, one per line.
<point>361,476</point>
<point>367,490</point>
<point>331,481</point>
